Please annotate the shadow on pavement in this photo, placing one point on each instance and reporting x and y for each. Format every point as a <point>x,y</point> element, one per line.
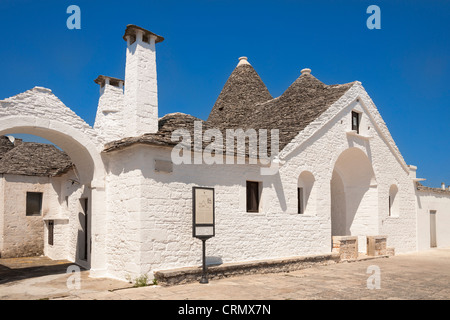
<point>15,269</point>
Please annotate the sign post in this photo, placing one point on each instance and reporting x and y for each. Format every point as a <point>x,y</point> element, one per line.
<point>203,220</point>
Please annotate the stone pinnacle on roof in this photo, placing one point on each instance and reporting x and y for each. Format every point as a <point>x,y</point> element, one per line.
<point>306,71</point>
<point>243,61</point>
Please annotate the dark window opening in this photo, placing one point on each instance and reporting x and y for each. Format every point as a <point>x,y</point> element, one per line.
<point>253,196</point>
<point>300,200</point>
<point>51,225</point>
<point>84,220</point>
<point>355,121</point>
<point>34,204</point>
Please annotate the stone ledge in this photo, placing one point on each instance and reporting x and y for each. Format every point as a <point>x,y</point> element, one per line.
<point>193,274</point>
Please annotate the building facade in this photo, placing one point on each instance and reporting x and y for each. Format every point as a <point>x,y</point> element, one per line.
<point>338,172</point>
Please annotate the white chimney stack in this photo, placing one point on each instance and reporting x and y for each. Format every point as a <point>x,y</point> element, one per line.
<point>109,121</point>
<point>141,88</point>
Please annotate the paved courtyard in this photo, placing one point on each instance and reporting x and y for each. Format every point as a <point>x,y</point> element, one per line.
<point>423,275</point>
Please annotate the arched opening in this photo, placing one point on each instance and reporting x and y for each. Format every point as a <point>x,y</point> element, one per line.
<point>305,184</point>
<point>354,197</point>
<point>66,205</point>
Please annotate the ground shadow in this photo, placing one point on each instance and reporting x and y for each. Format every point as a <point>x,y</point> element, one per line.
<point>9,273</point>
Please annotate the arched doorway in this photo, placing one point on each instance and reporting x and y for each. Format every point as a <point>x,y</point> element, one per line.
<point>354,197</point>
<point>38,112</point>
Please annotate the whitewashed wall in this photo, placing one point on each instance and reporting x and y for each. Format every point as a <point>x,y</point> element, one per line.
<point>150,224</point>
<point>24,235</point>
<point>67,228</point>
<point>440,202</point>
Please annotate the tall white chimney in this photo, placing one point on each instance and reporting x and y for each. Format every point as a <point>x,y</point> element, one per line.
<point>141,87</point>
<point>109,121</point>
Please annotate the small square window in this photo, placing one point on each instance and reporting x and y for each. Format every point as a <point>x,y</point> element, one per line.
<point>34,203</point>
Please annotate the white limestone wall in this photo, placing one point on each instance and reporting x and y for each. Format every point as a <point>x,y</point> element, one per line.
<point>319,154</point>
<point>440,202</point>
<point>67,226</point>
<point>123,204</point>
<point>150,213</point>
<point>24,235</point>
<point>152,219</point>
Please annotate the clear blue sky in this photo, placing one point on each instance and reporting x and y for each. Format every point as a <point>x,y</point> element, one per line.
<point>405,66</point>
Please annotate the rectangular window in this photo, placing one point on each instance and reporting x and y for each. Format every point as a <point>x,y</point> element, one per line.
<point>51,225</point>
<point>84,223</point>
<point>355,121</point>
<point>433,242</point>
<point>34,203</point>
<point>253,196</point>
<point>300,200</point>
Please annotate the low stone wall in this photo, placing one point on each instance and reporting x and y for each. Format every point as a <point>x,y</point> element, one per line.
<point>346,247</point>
<point>193,274</point>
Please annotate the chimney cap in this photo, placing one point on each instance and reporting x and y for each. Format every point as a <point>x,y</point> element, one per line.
<point>306,71</point>
<point>131,30</point>
<point>112,81</point>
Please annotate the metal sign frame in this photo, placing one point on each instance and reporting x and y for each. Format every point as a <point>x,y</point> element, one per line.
<point>197,228</point>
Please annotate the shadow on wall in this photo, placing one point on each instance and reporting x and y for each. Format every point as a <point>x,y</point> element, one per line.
<point>213,260</point>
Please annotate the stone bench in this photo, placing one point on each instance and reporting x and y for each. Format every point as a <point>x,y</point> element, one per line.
<point>377,246</point>
<point>346,246</point>
<point>192,274</point>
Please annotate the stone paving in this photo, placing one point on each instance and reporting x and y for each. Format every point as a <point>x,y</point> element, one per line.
<point>413,276</point>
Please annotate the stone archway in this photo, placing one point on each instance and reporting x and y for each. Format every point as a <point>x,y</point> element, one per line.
<point>39,112</point>
<point>354,197</point>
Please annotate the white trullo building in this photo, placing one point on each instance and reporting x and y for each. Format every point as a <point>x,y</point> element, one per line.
<point>339,173</point>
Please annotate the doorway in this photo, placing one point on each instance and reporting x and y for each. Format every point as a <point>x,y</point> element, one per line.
<point>433,242</point>
<point>83,231</point>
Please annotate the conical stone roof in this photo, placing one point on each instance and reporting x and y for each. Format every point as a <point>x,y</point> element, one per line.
<point>242,91</point>
<point>245,103</point>
<point>303,102</point>
<point>34,159</point>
